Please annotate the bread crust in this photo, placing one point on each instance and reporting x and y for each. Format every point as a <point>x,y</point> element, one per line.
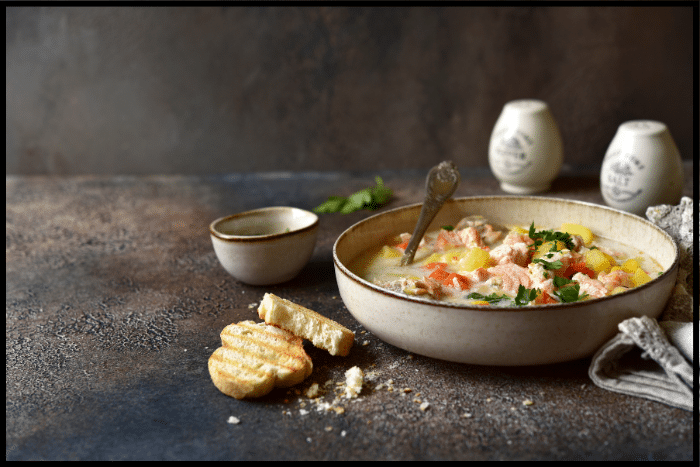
<point>300,321</point>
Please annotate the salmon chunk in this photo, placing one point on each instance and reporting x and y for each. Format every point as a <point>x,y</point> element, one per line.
<point>593,287</point>
<point>512,276</point>
<point>617,278</point>
<point>471,238</point>
<point>448,239</point>
<point>516,253</point>
<point>516,237</point>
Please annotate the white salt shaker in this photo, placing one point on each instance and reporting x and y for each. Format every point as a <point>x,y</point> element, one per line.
<point>525,151</point>
<point>642,167</point>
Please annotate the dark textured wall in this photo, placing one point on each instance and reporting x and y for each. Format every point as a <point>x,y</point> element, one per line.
<point>206,90</point>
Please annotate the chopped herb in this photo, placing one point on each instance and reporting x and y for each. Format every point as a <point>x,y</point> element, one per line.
<point>549,264</point>
<point>368,198</point>
<point>570,294</point>
<point>488,298</point>
<point>448,227</point>
<point>561,281</point>
<point>525,296</point>
<point>543,236</point>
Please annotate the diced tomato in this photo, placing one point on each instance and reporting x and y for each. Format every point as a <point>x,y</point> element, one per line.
<point>579,267</point>
<point>403,245</point>
<point>544,299</point>
<point>439,274</point>
<point>435,265</point>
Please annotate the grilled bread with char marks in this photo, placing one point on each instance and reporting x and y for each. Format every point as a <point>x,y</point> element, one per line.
<point>255,358</point>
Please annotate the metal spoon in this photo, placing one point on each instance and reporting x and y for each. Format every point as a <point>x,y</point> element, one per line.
<point>440,184</point>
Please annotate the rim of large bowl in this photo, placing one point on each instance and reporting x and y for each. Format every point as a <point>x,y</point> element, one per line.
<point>266,237</point>
<point>491,308</point>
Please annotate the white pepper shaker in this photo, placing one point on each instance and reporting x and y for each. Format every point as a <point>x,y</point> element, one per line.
<point>525,151</point>
<point>642,167</point>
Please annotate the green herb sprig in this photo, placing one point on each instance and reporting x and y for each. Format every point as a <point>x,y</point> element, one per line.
<point>371,198</point>
<point>542,236</point>
<point>549,265</point>
<point>570,294</point>
<point>492,298</point>
<point>525,295</point>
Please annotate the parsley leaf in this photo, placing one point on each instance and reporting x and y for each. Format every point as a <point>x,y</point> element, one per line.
<point>525,296</point>
<point>561,281</point>
<point>549,264</point>
<point>448,227</point>
<point>488,298</point>
<point>570,294</point>
<point>368,198</point>
<point>543,236</point>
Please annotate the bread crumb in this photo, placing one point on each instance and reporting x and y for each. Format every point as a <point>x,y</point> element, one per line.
<point>424,406</point>
<point>233,420</point>
<point>313,391</point>
<point>353,382</point>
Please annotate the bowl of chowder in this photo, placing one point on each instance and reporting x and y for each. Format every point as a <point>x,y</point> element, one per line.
<point>505,280</point>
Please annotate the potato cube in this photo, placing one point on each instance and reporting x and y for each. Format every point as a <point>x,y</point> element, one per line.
<point>640,277</point>
<point>630,266</point>
<point>474,259</point>
<point>598,261</point>
<point>575,229</point>
<point>389,252</point>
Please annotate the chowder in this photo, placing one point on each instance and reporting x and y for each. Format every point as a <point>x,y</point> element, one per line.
<point>478,263</point>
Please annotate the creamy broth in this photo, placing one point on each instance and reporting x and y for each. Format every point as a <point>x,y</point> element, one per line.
<point>477,264</point>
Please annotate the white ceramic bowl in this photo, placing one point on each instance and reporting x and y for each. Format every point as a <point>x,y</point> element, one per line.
<point>503,336</point>
<point>265,246</point>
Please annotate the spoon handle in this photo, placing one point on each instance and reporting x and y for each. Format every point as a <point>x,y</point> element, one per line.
<point>440,184</point>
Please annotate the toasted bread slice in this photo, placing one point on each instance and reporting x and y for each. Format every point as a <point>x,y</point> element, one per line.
<point>321,331</point>
<point>255,358</point>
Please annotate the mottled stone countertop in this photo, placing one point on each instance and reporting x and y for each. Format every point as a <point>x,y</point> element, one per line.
<point>115,300</point>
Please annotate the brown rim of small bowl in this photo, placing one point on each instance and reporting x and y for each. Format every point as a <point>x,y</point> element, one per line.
<point>491,308</point>
<point>260,238</point>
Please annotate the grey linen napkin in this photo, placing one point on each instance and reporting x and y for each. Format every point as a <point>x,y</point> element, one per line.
<point>640,361</point>
<point>655,359</point>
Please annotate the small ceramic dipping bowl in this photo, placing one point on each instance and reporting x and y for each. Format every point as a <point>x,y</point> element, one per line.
<point>265,246</point>
<point>489,335</point>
